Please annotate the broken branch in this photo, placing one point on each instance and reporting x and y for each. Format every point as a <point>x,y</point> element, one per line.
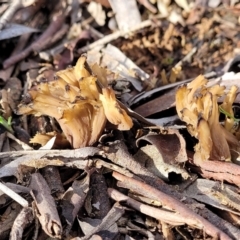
<point>169,202</point>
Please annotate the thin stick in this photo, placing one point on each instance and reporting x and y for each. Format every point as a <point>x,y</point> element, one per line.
<point>8,14</point>
<point>16,197</point>
<point>187,57</point>
<point>160,214</point>
<point>148,5</point>
<point>40,43</point>
<point>115,35</point>
<point>174,204</point>
<point>13,8</point>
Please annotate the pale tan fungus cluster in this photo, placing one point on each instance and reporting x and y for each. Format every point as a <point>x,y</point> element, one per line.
<point>79,105</point>
<point>197,105</point>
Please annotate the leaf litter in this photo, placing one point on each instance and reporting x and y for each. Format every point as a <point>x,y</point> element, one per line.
<point>122,143</point>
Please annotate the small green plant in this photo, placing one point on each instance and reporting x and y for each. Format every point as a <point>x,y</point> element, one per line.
<point>6,123</point>
<point>228,114</point>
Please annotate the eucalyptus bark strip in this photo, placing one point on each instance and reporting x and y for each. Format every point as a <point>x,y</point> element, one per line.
<point>45,206</point>
<point>24,218</point>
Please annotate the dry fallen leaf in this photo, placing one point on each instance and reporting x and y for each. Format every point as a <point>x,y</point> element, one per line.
<point>76,102</point>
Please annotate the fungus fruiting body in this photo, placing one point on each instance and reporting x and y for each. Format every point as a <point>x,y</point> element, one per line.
<point>79,105</point>
<point>197,105</point>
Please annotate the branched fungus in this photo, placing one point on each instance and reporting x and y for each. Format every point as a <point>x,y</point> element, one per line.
<point>79,105</point>
<point>197,105</point>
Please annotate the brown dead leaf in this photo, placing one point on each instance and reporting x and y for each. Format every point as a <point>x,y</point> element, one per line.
<point>171,145</point>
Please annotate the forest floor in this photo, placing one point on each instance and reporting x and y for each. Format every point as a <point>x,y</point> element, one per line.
<point>119,119</point>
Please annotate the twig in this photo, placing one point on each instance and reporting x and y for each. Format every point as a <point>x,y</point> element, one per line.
<point>58,36</point>
<point>179,207</point>
<point>40,43</point>
<point>21,143</point>
<point>8,14</point>
<point>219,170</point>
<point>100,163</point>
<point>14,7</point>
<point>163,215</point>
<point>2,139</point>
<point>148,5</point>
<point>16,197</point>
<point>113,36</point>
<point>119,154</point>
<point>187,57</point>
<point>83,153</point>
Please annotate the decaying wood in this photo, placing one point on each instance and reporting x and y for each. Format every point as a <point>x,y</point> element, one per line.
<point>52,176</point>
<point>100,201</point>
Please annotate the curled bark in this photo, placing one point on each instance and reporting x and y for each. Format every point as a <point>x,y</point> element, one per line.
<point>45,206</point>
<point>24,218</point>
